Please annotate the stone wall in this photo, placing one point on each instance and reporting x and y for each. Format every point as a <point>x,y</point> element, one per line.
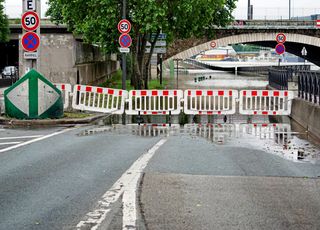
<point>62,56</point>
<point>307,115</point>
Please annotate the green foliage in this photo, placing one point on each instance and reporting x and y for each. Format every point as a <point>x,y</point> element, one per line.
<point>115,82</point>
<point>4,25</point>
<point>97,22</point>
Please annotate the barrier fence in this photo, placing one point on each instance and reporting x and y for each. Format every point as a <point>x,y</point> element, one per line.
<point>265,102</point>
<point>66,91</point>
<point>98,99</point>
<point>210,102</point>
<point>154,102</point>
<point>173,102</point>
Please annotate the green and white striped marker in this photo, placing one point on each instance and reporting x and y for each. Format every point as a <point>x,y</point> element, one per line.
<point>33,97</point>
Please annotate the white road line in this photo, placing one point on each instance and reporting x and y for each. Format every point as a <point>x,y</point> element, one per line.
<point>20,137</point>
<point>10,143</point>
<point>126,185</point>
<point>34,140</point>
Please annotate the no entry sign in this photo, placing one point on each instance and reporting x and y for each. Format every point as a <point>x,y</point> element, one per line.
<point>281,38</point>
<point>30,41</point>
<point>124,26</point>
<point>125,40</point>
<point>30,21</point>
<point>280,49</point>
<point>213,44</point>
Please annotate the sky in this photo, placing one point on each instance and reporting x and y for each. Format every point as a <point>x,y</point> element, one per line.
<point>262,9</point>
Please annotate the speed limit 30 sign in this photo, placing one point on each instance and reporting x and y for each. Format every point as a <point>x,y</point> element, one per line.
<point>124,26</point>
<point>30,21</point>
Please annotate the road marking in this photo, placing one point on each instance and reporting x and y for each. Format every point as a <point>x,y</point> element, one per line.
<point>34,140</point>
<point>126,185</point>
<point>10,143</point>
<point>20,137</point>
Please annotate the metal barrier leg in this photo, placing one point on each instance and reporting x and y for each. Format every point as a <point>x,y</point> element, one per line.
<point>169,118</point>
<point>139,118</point>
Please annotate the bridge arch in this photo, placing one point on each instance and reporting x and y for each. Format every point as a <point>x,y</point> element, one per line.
<point>294,44</point>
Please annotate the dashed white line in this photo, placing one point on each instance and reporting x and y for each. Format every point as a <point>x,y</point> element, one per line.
<point>126,185</point>
<point>34,140</point>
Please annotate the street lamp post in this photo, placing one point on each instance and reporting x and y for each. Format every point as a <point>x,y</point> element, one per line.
<point>177,68</point>
<point>289,9</point>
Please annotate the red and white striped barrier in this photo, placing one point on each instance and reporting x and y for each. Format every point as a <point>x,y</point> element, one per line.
<point>281,133</point>
<point>155,102</point>
<point>98,99</point>
<point>210,102</point>
<point>66,91</point>
<point>265,102</point>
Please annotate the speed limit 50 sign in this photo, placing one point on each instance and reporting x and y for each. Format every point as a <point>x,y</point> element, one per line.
<point>124,26</point>
<point>30,21</point>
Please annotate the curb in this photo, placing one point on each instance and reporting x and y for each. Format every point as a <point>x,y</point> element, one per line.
<point>15,122</point>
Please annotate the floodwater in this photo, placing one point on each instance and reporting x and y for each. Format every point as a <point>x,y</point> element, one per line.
<point>216,80</point>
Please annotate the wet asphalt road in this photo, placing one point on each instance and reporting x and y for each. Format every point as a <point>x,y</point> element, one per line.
<point>190,183</point>
<point>53,183</point>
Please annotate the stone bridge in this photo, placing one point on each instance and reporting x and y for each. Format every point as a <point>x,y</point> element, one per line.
<point>299,34</point>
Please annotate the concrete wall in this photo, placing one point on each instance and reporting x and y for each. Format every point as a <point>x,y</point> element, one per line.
<point>307,115</point>
<point>62,56</point>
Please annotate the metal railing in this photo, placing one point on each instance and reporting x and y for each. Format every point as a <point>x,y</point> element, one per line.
<point>309,86</point>
<point>279,77</point>
<point>273,24</point>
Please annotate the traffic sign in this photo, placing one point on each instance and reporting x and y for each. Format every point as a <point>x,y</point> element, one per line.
<point>30,55</point>
<point>280,49</point>
<point>304,51</point>
<point>213,44</point>
<point>29,5</point>
<point>124,26</point>
<point>33,97</point>
<point>30,41</point>
<point>124,50</point>
<point>30,21</point>
<point>281,38</point>
<point>125,40</point>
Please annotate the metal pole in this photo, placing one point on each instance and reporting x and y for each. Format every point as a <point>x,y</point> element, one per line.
<point>124,56</point>
<point>124,61</point>
<point>177,73</point>
<point>160,69</point>
<point>289,9</point>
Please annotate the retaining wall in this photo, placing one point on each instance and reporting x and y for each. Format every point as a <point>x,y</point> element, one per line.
<point>307,115</point>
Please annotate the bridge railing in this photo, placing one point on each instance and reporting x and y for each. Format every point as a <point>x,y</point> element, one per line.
<point>273,24</point>
<point>309,86</point>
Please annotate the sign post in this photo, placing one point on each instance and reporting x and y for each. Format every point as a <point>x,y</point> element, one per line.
<point>30,40</point>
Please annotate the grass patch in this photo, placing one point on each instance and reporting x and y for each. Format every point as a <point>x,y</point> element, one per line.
<point>115,82</point>
<point>78,115</point>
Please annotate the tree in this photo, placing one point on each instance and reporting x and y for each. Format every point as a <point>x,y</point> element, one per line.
<point>4,25</point>
<point>97,22</point>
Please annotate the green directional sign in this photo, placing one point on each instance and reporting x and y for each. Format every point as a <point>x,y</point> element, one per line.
<point>33,97</point>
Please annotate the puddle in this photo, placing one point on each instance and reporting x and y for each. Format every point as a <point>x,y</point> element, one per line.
<point>274,138</point>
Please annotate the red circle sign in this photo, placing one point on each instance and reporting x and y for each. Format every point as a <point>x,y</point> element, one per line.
<point>124,26</point>
<point>213,44</point>
<point>30,41</point>
<point>125,40</point>
<point>30,21</point>
<point>281,38</point>
<point>280,49</point>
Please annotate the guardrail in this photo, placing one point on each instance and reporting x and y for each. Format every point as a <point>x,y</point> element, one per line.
<point>309,86</point>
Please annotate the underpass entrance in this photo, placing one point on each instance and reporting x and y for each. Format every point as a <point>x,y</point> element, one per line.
<point>9,57</point>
